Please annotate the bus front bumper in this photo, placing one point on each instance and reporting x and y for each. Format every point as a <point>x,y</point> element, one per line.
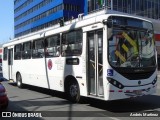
<point>131,92</point>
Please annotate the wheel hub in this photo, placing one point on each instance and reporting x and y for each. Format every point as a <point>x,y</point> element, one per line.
<point>73,90</point>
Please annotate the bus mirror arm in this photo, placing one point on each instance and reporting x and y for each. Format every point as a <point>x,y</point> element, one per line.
<point>110,34</point>
<point>109,23</point>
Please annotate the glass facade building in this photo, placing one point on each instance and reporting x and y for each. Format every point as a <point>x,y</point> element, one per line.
<point>149,9</point>
<point>34,15</point>
<point>145,8</point>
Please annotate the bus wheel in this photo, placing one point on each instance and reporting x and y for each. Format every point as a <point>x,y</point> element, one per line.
<point>74,92</point>
<point>19,80</point>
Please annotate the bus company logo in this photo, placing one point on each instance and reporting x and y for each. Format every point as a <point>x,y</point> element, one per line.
<point>6,114</point>
<point>109,72</point>
<point>50,64</point>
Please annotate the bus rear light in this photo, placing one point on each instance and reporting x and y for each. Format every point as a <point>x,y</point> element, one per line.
<point>115,83</point>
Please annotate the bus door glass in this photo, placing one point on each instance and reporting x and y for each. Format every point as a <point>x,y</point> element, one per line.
<point>10,62</point>
<point>95,62</point>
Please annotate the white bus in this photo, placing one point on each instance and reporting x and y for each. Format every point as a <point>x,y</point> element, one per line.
<point>101,55</point>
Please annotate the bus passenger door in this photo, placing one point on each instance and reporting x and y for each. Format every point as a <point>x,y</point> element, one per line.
<point>95,63</point>
<point>10,62</point>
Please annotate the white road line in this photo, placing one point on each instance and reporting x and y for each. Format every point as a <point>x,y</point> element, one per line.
<point>113,118</point>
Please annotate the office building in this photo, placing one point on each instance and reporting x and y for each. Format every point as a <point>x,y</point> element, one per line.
<point>148,9</point>
<point>34,15</point>
<point>145,8</point>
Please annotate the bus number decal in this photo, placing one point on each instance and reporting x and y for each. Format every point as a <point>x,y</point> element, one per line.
<point>49,64</point>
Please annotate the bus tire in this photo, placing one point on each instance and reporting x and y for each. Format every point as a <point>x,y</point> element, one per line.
<point>19,80</point>
<point>73,92</point>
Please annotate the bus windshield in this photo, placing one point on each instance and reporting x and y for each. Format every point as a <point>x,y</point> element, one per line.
<point>131,47</point>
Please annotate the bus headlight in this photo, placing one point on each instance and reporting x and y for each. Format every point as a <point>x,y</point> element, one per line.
<point>115,83</point>
<point>154,81</point>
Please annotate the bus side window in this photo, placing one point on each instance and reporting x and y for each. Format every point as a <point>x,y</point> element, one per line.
<point>72,43</point>
<point>17,51</point>
<point>52,46</point>
<point>26,53</point>
<point>5,51</point>
<point>38,49</point>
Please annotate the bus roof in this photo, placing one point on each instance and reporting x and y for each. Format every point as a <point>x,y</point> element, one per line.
<point>92,18</point>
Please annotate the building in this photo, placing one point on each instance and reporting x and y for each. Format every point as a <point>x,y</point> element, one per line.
<point>34,15</point>
<point>148,9</point>
<point>145,8</point>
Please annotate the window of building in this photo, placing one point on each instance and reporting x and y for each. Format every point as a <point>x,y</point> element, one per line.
<point>45,14</point>
<point>43,3</point>
<point>17,51</point>
<point>5,51</point>
<point>38,49</point>
<point>48,24</point>
<point>53,46</point>
<point>72,43</point>
<point>26,53</point>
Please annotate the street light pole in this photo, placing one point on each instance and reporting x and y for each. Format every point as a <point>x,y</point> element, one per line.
<point>111,4</point>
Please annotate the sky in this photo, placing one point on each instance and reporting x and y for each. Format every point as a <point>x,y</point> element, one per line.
<point>6,20</point>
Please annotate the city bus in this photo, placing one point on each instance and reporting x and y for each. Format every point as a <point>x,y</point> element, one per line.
<point>101,55</point>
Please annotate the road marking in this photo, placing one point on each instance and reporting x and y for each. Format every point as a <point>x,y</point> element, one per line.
<point>113,118</point>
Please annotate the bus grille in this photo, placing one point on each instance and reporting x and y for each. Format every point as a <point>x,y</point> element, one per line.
<point>137,76</point>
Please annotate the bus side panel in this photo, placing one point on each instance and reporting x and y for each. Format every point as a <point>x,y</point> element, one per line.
<point>5,69</point>
<point>55,73</point>
<point>32,71</point>
<point>17,68</point>
<point>60,70</point>
<point>78,73</point>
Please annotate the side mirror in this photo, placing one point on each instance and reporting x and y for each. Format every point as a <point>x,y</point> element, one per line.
<point>108,22</point>
<point>109,33</point>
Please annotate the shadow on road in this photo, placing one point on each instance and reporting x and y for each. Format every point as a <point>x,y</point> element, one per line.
<point>144,103</point>
<point>42,90</point>
<point>128,105</point>
<point>39,101</point>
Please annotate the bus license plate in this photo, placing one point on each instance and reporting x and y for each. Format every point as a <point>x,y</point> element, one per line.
<point>137,92</point>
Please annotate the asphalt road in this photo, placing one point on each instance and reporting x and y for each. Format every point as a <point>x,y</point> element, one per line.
<point>53,103</point>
